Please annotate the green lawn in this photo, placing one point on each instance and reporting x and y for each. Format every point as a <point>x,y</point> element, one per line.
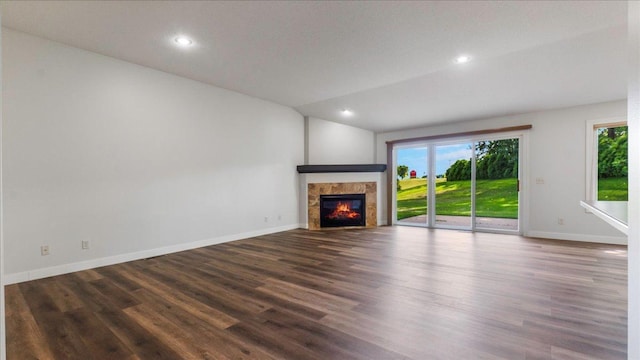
<point>412,198</point>
<point>613,189</point>
<point>494,198</point>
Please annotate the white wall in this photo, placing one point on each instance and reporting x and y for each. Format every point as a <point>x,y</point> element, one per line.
<point>137,161</point>
<point>3,346</point>
<point>557,154</point>
<point>331,143</point>
<point>633,333</point>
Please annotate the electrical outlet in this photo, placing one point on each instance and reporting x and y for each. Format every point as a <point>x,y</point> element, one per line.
<point>560,221</point>
<point>44,250</point>
<point>266,219</point>
<point>539,181</point>
<point>279,217</point>
<point>85,244</point>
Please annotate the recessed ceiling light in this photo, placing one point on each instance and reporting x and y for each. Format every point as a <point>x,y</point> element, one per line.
<point>346,112</point>
<point>183,41</point>
<point>462,59</point>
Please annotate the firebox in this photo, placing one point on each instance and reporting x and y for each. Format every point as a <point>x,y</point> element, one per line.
<point>342,210</point>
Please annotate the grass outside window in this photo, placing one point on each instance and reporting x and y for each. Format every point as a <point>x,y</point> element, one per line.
<point>494,198</point>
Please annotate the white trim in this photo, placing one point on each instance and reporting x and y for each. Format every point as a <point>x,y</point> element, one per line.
<point>394,186</point>
<point>117,259</point>
<point>3,334</point>
<point>607,212</point>
<point>474,182</point>
<point>431,186</point>
<point>633,121</point>
<point>615,240</point>
<point>591,149</point>
<point>523,196</point>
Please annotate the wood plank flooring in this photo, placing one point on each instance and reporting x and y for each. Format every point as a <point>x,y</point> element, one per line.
<point>383,293</point>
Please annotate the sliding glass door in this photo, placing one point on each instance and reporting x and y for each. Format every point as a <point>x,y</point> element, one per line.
<point>471,184</point>
<point>497,185</point>
<point>453,185</point>
<point>412,185</point>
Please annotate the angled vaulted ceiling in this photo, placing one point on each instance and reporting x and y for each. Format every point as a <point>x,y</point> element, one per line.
<point>391,62</point>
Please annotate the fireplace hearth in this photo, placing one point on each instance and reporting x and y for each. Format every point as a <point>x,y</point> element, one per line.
<point>340,210</point>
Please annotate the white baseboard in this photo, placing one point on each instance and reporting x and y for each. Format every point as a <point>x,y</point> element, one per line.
<point>117,259</point>
<point>615,240</point>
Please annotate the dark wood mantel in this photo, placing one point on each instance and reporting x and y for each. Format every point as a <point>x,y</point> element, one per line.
<point>308,169</point>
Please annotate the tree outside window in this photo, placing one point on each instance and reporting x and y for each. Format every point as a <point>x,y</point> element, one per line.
<point>612,163</point>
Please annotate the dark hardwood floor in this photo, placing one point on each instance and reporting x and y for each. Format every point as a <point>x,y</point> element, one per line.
<point>384,293</point>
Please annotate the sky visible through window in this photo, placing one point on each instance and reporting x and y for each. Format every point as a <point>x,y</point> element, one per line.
<point>416,158</point>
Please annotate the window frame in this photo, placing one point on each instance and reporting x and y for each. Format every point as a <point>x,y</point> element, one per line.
<point>592,152</point>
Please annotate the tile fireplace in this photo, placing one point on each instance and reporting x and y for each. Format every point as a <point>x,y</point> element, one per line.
<point>338,209</point>
<point>341,180</point>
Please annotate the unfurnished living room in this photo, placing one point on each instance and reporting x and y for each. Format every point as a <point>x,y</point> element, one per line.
<point>320,180</point>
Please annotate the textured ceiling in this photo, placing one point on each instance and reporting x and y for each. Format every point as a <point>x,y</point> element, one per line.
<point>390,62</point>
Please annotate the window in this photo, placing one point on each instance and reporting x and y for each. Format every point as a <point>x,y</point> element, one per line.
<point>607,161</point>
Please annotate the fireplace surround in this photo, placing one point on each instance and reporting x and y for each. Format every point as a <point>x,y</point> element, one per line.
<point>315,190</point>
<point>336,179</point>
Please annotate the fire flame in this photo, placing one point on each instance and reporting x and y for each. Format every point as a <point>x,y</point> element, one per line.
<point>343,211</point>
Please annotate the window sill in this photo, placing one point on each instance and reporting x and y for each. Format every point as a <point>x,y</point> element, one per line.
<point>613,212</point>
